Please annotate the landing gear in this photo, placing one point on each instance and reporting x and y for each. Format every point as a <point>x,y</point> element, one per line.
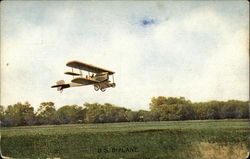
<point>96,87</point>
<point>103,86</point>
<point>113,85</point>
<point>103,89</point>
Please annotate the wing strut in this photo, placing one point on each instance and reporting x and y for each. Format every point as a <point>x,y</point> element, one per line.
<point>113,78</point>
<point>72,71</point>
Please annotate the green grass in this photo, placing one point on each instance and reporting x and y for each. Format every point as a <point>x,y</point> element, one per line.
<point>152,140</point>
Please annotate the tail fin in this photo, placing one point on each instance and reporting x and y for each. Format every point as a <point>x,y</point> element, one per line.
<point>60,82</point>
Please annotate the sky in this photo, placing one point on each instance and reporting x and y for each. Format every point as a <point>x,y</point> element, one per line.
<point>194,49</point>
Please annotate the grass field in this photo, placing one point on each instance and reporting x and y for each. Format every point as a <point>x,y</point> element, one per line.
<point>136,140</point>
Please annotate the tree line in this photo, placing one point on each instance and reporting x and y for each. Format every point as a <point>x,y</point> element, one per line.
<point>160,109</point>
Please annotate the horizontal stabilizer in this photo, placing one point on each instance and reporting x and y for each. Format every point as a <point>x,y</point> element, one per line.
<point>60,85</point>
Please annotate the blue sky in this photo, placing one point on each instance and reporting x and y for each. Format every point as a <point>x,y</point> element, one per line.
<point>198,50</point>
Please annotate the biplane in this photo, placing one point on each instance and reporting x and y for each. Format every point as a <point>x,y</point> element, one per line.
<point>98,77</point>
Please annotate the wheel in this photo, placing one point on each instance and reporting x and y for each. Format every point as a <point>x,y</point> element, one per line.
<point>113,85</point>
<point>103,89</point>
<point>96,87</point>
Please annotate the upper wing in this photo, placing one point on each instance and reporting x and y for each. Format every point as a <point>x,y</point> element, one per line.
<point>84,81</point>
<point>88,67</point>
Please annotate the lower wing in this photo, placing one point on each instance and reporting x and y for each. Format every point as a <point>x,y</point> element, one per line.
<point>84,81</point>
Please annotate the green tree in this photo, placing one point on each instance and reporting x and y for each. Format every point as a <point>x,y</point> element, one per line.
<point>131,116</point>
<point>1,115</point>
<point>186,112</point>
<point>236,109</point>
<point>200,111</point>
<point>19,114</point>
<point>156,102</point>
<point>98,113</point>
<point>46,113</point>
<point>171,108</point>
<point>144,115</point>
<point>70,114</point>
<point>169,112</point>
<point>213,109</point>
